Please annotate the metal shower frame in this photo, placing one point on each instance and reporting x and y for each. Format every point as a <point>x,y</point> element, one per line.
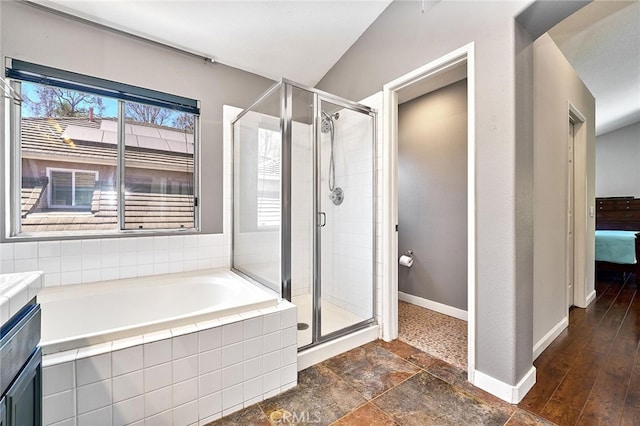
<point>285,87</point>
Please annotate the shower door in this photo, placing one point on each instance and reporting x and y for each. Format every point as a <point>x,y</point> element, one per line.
<point>344,207</point>
<point>303,206</point>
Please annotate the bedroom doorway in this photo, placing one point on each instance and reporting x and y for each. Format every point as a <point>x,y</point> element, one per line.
<point>579,211</point>
<point>570,216</point>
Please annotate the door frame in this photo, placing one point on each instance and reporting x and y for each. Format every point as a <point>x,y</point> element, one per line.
<point>391,90</point>
<point>571,222</point>
<point>580,214</point>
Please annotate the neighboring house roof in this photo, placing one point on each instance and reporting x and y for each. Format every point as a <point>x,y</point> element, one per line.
<point>79,139</point>
<point>143,211</point>
<point>29,198</point>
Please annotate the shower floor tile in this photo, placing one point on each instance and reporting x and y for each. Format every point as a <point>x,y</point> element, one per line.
<point>334,318</point>
<point>380,384</point>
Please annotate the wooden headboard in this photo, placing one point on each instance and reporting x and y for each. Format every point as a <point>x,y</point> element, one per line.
<point>618,213</point>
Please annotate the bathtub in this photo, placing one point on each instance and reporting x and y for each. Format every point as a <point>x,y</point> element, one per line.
<point>173,349</point>
<point>112,310</point>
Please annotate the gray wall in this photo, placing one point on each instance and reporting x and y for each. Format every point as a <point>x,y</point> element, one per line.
<point>617,159</point>
<point>557,85</point>
<point>33,35</point>
<point>403,39</point>
<point>432,195</point>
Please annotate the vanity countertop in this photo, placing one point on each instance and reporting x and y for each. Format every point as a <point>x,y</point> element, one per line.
<point>16,290</point>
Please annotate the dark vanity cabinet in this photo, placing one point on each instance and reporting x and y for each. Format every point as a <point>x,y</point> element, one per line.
<point>24,397</point>
<point>21,369</point>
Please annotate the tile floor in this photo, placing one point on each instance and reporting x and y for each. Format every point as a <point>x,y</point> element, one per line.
<point>383,383</point>
<point>437,334</point>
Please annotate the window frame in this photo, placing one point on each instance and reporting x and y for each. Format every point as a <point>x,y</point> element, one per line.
<point>13,132</point>
<point>73,187</point>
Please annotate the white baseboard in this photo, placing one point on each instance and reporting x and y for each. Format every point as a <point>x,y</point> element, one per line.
<point>546,340</point>
<point>511,394</point>
<point>591,297</point>
<point>434,306</point>
<point>322,352</point>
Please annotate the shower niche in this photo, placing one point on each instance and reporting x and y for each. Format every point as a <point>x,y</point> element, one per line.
<point>303,206</point>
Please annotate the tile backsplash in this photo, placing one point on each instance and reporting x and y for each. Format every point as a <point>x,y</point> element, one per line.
<point>83,261</point>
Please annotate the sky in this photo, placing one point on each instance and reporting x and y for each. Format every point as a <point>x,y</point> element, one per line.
<point>29,91</point>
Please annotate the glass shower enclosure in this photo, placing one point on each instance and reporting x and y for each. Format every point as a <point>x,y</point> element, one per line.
<point>303,206</point>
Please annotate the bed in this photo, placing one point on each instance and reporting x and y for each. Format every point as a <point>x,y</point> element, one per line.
<point>618,235</point>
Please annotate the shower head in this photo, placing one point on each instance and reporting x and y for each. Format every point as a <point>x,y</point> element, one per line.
<point>327,121</point>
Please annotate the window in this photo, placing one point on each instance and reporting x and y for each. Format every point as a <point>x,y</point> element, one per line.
<point>269,143</point>
<point>71,188</point>
<point>94,155</point>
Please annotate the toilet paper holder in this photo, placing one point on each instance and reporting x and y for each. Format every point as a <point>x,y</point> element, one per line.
<point>406,259</point>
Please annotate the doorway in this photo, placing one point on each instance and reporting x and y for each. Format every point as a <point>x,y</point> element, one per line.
<point>577,214</point>
<point>570,216</point>
<point>422,80</point>
<point>432,219</point>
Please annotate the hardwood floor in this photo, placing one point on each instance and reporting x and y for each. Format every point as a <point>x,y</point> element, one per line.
<point>590,375</point>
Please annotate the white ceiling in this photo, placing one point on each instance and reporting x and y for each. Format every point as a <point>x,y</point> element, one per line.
<point>302,39</point>
<point>602,43</point>
<point>298,40</point>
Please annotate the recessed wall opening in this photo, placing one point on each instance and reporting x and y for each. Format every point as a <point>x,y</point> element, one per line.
<point>432,219</point>
<point>430,152</point>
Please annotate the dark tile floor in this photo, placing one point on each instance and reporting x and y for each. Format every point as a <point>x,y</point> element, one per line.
<point>383,383</point>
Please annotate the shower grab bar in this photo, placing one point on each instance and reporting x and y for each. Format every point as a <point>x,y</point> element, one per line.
<point>322,223</point>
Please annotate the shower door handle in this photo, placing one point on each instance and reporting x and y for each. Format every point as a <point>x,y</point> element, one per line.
<point>322,219</point>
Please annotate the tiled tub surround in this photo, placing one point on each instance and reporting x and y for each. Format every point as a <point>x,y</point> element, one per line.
<point>185,375</point>
<point>90,260</point>
<point>16,290</point>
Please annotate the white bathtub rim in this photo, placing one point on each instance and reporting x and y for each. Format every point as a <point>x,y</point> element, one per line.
<point>94,288</point>
<point>150,329</point>
<point>230,312</point>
